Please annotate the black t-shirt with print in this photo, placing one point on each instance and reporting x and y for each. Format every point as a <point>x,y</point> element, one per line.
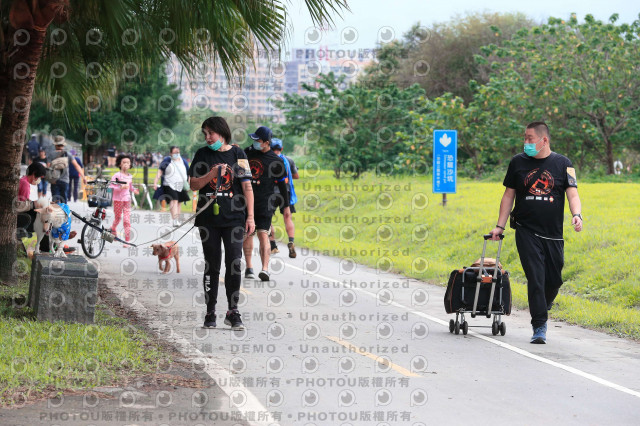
<point>266,170</point>
<point>233,206</point>
<point>540,185</point>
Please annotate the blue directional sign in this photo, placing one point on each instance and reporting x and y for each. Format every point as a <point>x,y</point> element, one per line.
<point>445,157</point>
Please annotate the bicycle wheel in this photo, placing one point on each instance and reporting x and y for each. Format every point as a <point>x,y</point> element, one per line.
<point>92,242</point>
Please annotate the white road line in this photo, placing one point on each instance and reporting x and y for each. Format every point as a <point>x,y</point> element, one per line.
<point>507,346</point>
<point>222,376</point>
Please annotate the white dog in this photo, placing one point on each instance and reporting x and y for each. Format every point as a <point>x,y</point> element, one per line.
<point>55,221</point>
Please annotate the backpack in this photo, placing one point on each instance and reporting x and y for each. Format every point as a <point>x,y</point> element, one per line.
<point>55,170</point>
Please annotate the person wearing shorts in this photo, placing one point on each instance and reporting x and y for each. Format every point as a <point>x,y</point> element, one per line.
<point>267,172</point>
<point>286,212</point>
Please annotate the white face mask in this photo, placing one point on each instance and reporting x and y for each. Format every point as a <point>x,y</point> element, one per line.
<point>37,182</point>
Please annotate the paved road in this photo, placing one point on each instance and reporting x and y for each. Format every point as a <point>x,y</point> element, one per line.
<point>331,342</point>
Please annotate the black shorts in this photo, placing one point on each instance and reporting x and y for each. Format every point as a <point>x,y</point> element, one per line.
<point>170,194</point>
<point>280,202</point>
<point>263,223</point>
<point>292,207</point>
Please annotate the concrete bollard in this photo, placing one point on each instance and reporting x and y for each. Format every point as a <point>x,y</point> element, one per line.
<point>63,289</point>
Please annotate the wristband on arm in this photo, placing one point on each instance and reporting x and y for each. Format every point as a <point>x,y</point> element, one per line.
<point>501,227</point>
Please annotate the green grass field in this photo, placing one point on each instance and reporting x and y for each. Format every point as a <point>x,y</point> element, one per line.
<point>398,224</point>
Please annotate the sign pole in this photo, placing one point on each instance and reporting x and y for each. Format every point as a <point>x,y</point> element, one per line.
<point>445,158</point>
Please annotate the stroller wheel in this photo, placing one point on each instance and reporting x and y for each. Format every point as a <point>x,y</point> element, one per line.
<point>494,328</point>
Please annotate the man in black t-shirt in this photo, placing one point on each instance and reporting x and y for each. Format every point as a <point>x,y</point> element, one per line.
<point>538,180</point>
<point>267,171</point>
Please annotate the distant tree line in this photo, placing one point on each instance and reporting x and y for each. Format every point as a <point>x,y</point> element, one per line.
<point>486,75</point>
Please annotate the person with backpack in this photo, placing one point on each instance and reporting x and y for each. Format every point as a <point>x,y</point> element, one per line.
<point>292,173</point>
<point>59,179</point>
<point>173,172</point>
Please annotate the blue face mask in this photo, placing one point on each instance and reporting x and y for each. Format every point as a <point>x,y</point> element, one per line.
<point>216,145</point>
<point>257,145</point>
<point>175,156</point>
<point>530,149</point>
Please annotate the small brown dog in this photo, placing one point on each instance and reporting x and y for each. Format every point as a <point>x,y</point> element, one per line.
<point>165,252</point>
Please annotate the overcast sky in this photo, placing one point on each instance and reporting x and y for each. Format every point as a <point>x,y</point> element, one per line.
<point>372,20</point>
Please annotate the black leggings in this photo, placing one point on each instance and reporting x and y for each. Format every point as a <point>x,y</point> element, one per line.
<point>232,238</point>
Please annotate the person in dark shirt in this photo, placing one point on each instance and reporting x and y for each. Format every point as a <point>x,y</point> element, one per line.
<point>111,156</point>
<point>32,148</point>
<point>538,180</point>
<point>61,187</point>
<point>74,178</point>
<point>222,171</point>
<point>42,158</point>
<point>292,173</point>
<point>267,171</point>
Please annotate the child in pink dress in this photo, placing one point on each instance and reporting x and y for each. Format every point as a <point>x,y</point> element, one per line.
<point>122,195</point>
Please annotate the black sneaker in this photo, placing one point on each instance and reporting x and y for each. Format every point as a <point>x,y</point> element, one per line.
<point>292,250</point>
<point>233,320</point>
<point>264,275</point>
<point>210,320</point>
<point>248,274</point>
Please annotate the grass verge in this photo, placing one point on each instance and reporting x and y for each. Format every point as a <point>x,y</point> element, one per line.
<point>43,358</point>
<point>397,224</point>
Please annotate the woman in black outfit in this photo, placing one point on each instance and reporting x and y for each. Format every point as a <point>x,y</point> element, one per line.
<point>227,218</point>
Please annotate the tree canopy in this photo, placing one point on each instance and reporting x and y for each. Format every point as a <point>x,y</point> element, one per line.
<point>581,78</point>
<point>78,49</point>
<point>351,130</point>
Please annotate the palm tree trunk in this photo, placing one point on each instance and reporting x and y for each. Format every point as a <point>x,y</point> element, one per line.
<point>4,82</point>
<point>15,117</point>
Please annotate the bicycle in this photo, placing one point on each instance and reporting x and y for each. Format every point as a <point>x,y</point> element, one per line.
<point>94,234</point>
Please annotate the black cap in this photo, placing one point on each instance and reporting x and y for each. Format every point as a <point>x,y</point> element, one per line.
<point>263,133</point>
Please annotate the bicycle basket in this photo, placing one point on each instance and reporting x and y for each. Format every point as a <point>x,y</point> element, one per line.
<point>102,197</point>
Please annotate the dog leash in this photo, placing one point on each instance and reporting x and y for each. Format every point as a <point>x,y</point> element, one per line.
<point>216,208</point>
<point>193,216</point>
<point>109,237</point>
